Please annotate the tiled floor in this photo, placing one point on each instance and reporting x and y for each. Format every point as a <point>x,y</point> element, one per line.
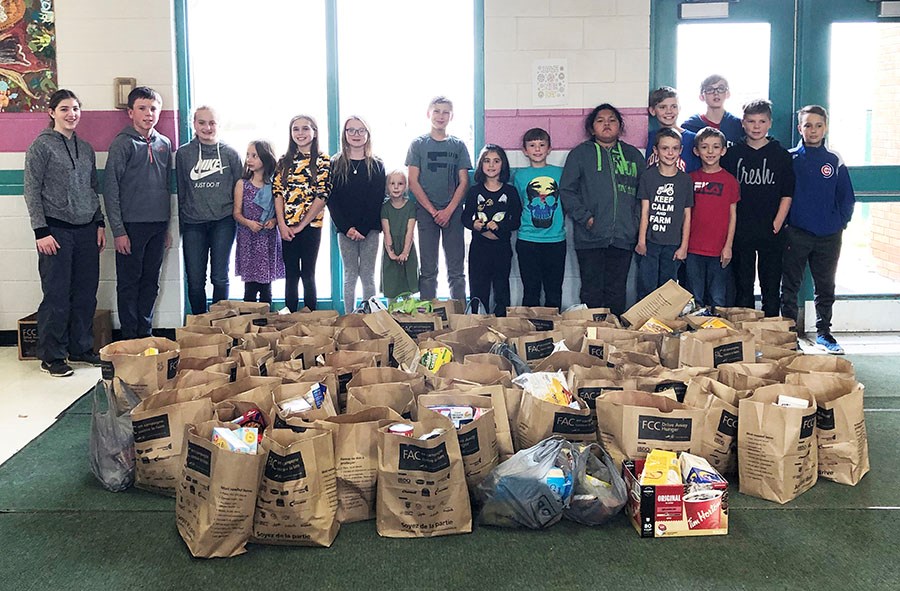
<point>31,400</point>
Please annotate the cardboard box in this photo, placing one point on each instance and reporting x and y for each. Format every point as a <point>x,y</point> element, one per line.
<point>28,333</point>
<point>671,510</point>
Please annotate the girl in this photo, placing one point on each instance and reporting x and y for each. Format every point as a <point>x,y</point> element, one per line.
<point>399,266</point>
<point>355,204</point>
<point>492,211</point>
<point>301,187</point>
<point>61,195</point>
<point>258,260</point>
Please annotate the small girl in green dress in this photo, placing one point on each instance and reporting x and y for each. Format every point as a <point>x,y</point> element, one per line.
<point>400,265</point>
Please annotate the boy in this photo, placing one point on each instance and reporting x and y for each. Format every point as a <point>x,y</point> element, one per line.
<point>714,92</point>
<point>138,206</point>
<point>713,219</point>
<point>439,178</point>
<point>667,196</point>
<point>765,174</point>
<point>207,172</point>
<point>663,106</point>
<point>821,209</point>
<point>541,242</point>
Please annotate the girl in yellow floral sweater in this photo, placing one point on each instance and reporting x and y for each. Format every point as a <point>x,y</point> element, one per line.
<point>301,187</point>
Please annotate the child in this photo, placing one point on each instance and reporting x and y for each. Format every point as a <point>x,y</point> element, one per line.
<point>136,193</point>
<point>399,266</point>
<point>492,211</point>
<point>667,196</point>
<point>664,108</point>
<point>820,211</point>
<point>258,259</point>
<point>438,178</point>
<point>207,171</point>
<point>301,187</point>
<point>541,242</point>
<point>765,174</point>
<point>714,92</point>
<point>64,209</point>
<point>713,219</point>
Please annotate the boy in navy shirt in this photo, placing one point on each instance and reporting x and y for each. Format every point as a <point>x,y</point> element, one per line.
<point>714,92</point>
<point>821,209</point>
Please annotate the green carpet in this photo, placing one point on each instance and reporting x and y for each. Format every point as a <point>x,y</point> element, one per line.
<point>62,531</point>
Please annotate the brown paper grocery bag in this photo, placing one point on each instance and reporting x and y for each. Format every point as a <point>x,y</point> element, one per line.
<point>749,376</point>
<point>821,364</point>
<point>711,347</point>
<point>297,500</point>
<point>158,424</point>
<point>415,324</point>
<point>738,314</point>
<point>505,402</point>
<point>256,389</point>
<point>565,360</point>
<point>502,363</point>
<point>369,376</point>
<point>667,301</point>
<point>205,345</point>
<point>287,392</point>
<point>422,488</point>
<point>381,347</point>
<point>189,378</point>
<point>777,453</point>
<point>477,439</point>
<point>145,374</point>
<point>539,419</point>
<point>355,439</point>
<point>636,422</point>
<point>719,429</point>
<point>840,426</point>
<point>241,307</point>
<point>397,396</point>
<point>304,348</point>
<point>534,347</point>
<point>216,494</point>
<point>258,361</point>
<point>593,314</point>
<point>469,341</point>
<point>455,375</point>
<point>445,308</point>
<point>207,318</point>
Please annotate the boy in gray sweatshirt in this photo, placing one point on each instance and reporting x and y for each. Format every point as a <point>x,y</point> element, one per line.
<point>137,199</point>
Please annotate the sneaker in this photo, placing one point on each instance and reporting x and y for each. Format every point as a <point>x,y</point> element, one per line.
<point>86,358</point>
<point>827,342</point>
<point>57,368</point>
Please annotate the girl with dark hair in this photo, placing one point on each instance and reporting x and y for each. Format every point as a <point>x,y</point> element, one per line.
<point>301,187</point>
<point>258,259</point>
<point>61,196</point>
<point>492,211</point>
<point>598,191</point>
<point>355,205</point>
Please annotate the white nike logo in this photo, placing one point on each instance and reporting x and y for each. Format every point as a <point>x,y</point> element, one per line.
<point>204,168</point>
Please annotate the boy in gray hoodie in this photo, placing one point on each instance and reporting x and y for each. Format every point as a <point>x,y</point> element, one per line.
<point>207,171</point>
<point>137,201</point>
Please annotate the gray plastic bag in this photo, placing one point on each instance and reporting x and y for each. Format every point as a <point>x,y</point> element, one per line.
<point>112,439</point>
<point>599,492</point>
<point>531,489</point>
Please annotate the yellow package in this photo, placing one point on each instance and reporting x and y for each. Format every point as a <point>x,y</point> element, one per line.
<point>661,467</point>
<point>714,323</point>
<point>656,326</point>
<point>433,359</point>
<point>150,352</point>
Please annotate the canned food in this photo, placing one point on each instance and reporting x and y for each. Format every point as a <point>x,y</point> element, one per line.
<point>404,429</point>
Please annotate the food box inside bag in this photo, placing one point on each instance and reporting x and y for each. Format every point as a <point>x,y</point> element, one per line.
<point>674,510</point>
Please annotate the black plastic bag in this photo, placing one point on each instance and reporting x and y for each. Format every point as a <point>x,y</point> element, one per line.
<point>112,439</point>
<point>599,490</point>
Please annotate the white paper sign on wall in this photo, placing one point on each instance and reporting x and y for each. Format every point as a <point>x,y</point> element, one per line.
<point>550,82</point>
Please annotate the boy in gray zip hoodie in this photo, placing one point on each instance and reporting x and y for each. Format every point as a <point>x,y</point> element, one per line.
<point>207,171</point>
<point>137,199</point>
<point>598,190</point>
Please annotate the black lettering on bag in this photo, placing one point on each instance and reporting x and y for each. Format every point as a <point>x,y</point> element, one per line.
<point>343,380</point>
<point>260,321</point>
<point>538,349</point>
<point>468,443</point>
<point>149,429</point>
<point>664,428</point>
<point>199,459</point>
<point>172,367</point>
<point>107,370</point>
<point>302,358</point>
<point>809,423</point>
<point>393,361</point>
<point>569,424</point>
<point>285,468</point>
<point>280,423</point>
<point>263,370</point>
<point>414,329</point>
<point>591,393</point>
<point>825,419</point>
<point>728,424</point>
<point>541,324</point>
<point>423,459</point>
<point>728,353</point>
<point>232,376</point>
<point>596,350</point>
<point>600,317</point>
<point>441,313</point>
<point>679,387</point>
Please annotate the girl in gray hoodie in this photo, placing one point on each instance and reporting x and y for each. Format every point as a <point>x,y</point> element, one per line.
<point>64,208</point>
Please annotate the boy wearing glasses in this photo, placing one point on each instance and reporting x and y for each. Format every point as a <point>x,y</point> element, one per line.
<point>714,92</point>
<point>439,166</point>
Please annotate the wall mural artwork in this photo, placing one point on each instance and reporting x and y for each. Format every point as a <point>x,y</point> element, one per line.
<point>27,55</point>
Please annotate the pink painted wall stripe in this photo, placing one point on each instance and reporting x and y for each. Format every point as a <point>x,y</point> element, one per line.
<point>98,128</point>
<point>566,126</point>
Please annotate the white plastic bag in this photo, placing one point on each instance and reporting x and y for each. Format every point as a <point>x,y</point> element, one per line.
<point>112,439</point>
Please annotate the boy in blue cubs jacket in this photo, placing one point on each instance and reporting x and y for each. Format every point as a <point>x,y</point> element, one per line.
<point>821,209</point>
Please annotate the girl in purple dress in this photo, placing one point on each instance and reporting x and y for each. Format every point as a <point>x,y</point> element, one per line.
<point>258,259</point>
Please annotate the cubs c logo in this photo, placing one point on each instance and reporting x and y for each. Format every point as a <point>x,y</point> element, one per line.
<point>827,170</point>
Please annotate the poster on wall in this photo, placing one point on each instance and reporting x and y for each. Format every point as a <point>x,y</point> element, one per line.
<point>27,55</point>
<point>550,82</point>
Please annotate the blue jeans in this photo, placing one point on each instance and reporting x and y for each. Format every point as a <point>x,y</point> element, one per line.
<point>707,279</point>
<point>137,277</point>
<point>207,242</point>
<point>656,267</point>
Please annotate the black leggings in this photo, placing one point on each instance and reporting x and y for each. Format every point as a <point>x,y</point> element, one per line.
<point>252,288</point>
<point>300,256</point>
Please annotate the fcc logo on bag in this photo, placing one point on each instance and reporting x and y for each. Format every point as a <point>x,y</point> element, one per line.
<point>423,459</point>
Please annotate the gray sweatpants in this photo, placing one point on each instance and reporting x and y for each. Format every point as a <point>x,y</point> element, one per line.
<point>358,258</point>
<point>430,237</point>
